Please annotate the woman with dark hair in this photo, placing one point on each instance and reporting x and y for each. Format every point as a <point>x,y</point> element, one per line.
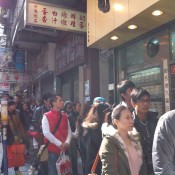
<point>92,135</point>
<point>120,151</point>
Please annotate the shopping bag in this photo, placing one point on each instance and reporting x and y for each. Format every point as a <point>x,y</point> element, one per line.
<point>15,155</point>
<point>43,153</point>
<point>63,165</point>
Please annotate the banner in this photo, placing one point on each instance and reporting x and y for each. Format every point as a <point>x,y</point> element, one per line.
<point>55,17</point>
<point>4,86</point>
<point>14,77</point>
<point>6,60</point>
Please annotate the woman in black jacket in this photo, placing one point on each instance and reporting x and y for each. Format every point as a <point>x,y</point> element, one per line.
<point>93,135</point>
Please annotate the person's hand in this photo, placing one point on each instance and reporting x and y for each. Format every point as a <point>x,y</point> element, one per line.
<point>64,147</point>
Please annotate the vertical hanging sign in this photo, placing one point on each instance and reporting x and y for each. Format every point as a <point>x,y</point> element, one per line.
<point>166,85</point>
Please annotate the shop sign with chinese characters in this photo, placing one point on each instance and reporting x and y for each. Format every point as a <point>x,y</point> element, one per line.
<point>14,77</point>
<point>4,86</point>
<point>49,16</point>
<point>166,85</point>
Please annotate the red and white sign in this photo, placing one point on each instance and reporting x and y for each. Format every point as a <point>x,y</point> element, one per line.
<point>4,86</point>
<point>55,17</point>
<point>173,69</point>
<point>14,77</point>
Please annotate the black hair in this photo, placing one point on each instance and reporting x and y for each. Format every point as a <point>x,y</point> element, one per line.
<point>53,98</point>
<point>46,96</point>
<point>6,94</point>
<point>115,113</point>
<point>11,102</point>
<point>138,93</point>
<point>124,85</point>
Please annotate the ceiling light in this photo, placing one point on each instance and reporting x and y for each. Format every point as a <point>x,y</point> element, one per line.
<point>132,27</point>
<point>118,7</point>
<point>157,13</point>
<point>114,37</point>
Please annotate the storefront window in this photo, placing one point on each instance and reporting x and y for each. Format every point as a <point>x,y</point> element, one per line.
<point>135,54</point>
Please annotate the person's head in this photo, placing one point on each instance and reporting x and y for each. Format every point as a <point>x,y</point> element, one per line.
<point>25,106</point>
<point>99,100</point>
<point>140,99</point>
<point>11,105</point>
<point>37,103</point>
<point>45,99</point>
<point>96,113</point>
<point>56,102</point>
<point>17,98</point>
<point>6,96</point>
<point>68,107</point>
<point>124,88</point>
<point>122,118</point>
<point>77,106</point>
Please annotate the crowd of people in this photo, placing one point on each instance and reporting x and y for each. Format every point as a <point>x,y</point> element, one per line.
<point>126,136</point>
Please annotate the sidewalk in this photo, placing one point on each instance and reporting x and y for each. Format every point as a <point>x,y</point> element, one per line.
<point>23,169</point>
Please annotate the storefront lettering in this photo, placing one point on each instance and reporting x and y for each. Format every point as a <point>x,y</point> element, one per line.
<point>70,53</point>
<point>56,17</point>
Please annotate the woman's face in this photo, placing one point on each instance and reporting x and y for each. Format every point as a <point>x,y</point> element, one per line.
<point>78,107</point>
<point>125,122</point>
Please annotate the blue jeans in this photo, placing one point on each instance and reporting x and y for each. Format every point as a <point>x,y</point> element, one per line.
<point>52,163</point>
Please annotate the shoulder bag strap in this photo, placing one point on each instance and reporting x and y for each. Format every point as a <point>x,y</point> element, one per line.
<point>94,166</point>
<point>56,127</point>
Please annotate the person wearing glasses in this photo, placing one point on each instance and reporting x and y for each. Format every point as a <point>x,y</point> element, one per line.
<point>145,123</point>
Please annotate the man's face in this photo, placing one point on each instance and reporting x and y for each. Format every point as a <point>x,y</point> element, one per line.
<point>47,103</point>
<point>143,104</point>
<point>127,95</point>
<point>59,103</point>
<point>16,99</point>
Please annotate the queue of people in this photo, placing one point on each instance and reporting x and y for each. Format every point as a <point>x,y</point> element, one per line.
<point>127,136</point>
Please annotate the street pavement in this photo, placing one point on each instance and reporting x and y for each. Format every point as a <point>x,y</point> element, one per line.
<point>23,170</point>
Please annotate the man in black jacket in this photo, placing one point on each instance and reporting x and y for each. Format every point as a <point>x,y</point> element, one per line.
<point>37,142</point>
<point>145,123</point>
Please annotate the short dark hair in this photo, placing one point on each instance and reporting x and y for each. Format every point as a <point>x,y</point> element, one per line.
<point>6,94</point>
<point>11,102</point>
<point>46,96</point>
<point>53,99</point>
<point>123,86</point>
<point>138,93</point>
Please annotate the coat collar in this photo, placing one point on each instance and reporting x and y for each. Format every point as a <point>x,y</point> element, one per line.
<point>110,131</point>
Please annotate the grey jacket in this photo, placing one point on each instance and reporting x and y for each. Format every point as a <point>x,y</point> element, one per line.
<point>163,152</point>
<point>113,154</point>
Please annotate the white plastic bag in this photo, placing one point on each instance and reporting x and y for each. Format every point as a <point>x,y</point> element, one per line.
<point>63,165</point>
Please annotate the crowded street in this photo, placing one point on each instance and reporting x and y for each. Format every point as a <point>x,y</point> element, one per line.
<point>87,87</point>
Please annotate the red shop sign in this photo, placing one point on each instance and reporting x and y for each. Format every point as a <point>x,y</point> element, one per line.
<point>173,69</point>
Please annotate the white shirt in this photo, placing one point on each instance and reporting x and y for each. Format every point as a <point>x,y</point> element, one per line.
<point>50,136</point>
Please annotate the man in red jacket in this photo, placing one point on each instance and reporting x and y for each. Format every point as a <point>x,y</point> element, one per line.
<point>61,139</point>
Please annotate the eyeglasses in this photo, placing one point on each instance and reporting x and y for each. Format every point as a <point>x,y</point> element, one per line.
<point>144,101</point>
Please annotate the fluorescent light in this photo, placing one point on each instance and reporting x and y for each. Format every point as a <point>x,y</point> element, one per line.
<point>157,13</point>
<point>118,7</point>
<point>114,37</point>
<point>132,27</point>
